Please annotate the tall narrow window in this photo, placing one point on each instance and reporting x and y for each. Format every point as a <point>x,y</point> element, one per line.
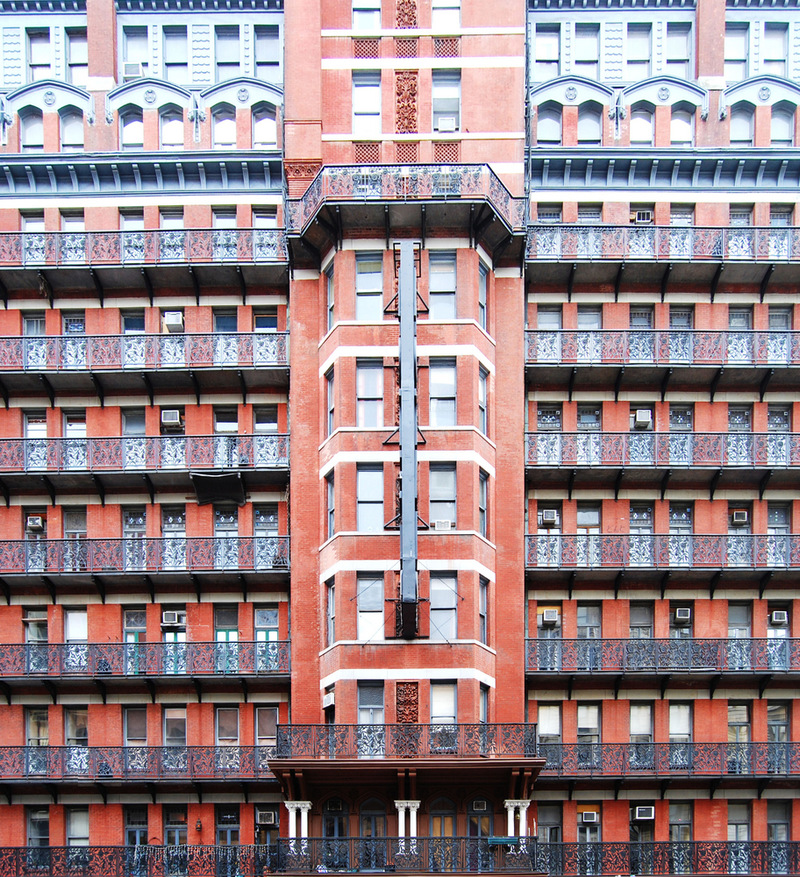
<point>370,606</point>
<point>446,15</point>
<point>483,610</point>
<point>681,129</point>
<point>547,52</point>
<point>366,14</point>
<point>226,51</point>
<point>369,499</point>
<point>331,504</point>
<point>330,290</point>
<point>443,495</point>
<point>586,51</point>
<point>737,44</point>
<point>131,124</point>
<point>446,101</point>
<point>442,382</point>
<point>442,294</point>
<point>742,125</point>
<point>782,124</point>
<point>71,124</point>
<point>265,128</point>
<point>330,612</point>
<point>548,127</point>
<point>483,283</point>
<point>172,129</point>
<point>774,52</point>
<point>330,393</point>
<point>483,401</point>
<point>679,48</point>
<point>77,56</point>
<point>267,50</point>
<point>39,54</point>
<point>642,126</point>
<point>176,54</point>
<point>223,126</point>
<point>590,124</point>
<point>31,134</point>
<point>444,602</point>
<point>369,393</point>
<point>369,287</point>
<point>639,52</point>
<point>135,52</point>
<point>367,105</point>
<point>483,504</point>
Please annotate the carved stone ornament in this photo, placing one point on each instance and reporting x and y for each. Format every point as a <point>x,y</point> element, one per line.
<point>49,97</point>
<point>406,13</point>
<point>407,702</point>
<point>571,93</point>
<point>406,102</point>
<point>764,93</point>
<point>150,96</point>
<point>302,170</point>
<point>242,95</point>
<point>663,93</point>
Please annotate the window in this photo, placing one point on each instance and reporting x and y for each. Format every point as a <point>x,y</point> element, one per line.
<point>135,720</point>
<point>548,125</point>
<point>446,99</point>
<point>330,392</point>
<point>172,129</point>
<point>331,506</point>
<point>483,503</point>
<point>135,829</point>
<point>366,14</point>
<point>31,133</point>
<point>77,830</point>
<point>175,835</point>
<point>227,722</point>
<point>369,393</point>
<point>39,835</point>
<point>39,54</point>
<point>370,606</point>
<point>176,54</point>
<point>224,242</point>
<point>681,130</point>
<point>483,401</point>
<point>446,15</point>
<point>483,283</point>
<point>223,124</point>
<point>330,611</point>
<point>171,239</point>
<point>588,734</point>
<point>369,499</point>
<point>443,703</point>
<point>442,289</point>
<point>679,50</point>
<point>265,128</point>
<point>737,40</point>
<point>442,374</point>
<point>483,611</point>
<point>590,124</point>
<point>131,124</point>
<point>367,105</point>
<point>774,49</point>
<point>782,125</point>
<point>71,126</point>
<point>266,725</point>
<point>642,126</point>
<point>639,52</point>
<point>226,51</point>
<point>77,57</point>
<point>135,51</point>
<point>586,50</point>
<point>175,726</point>
<point>742,125</point>
<point>263,218</point>
<point>267,50</point>
<point>369,287</point>
<point>547,52</point>
<point>330,291</point>
<point>443,495</point>
<point>444,600</point>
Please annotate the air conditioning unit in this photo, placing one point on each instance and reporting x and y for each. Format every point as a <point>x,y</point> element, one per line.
<point>34,523</point>
<point>266,817</point>
<point>443,525</point>
<point>328,700</point>
<point>171,417</point>
<point>479,806</point>
<point>740,517</point>
<point>171,618</point>
<point>549,517</point>
<point>132,70</point>
<point>642,814</point>
<point>643,418</point>
<point>779,618</point>
<point>642,217</point>
<point>590,816</point>
<point>683,615</point>
<point>549,617</point>
<point>446,123</point>
<point>173,321</point>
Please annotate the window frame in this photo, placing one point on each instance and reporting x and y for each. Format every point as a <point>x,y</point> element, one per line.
<point>370,498</point>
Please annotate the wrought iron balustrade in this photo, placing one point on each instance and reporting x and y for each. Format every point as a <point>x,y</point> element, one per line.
<point>139,453</point>
<point>406,741</point>
<point>40,353</point>
<point>405,855</point>
<point>662,551</point>
<point>674,449</point>
<point>406,183</point>
<point>152,247</point>
<point>144,659</point>
<point>662,347</point>
<point>662,243</point>
<point>142,554</point>
<point>663,655</point>
<point>670,759</point>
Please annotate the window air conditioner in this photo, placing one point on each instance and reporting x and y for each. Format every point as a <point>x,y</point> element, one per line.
<point>173,321</point>
<point>779,618</point>
<point>446,123</point>
<point>644,813</point>
<point>132,70</point>
<point>590,816</point>
<point>641,217</point>
<point>643,418</point>
<point>478,806</point>
<point>443,525</point>
<point>549,617</point>
<point>328,700</point>
<point>683,615</point>
<point>266,817</point>
<point>34,523</point>
<point>740,517</point>
<point>172,618</point>
<point>171,417</point>
<point>549,517</point>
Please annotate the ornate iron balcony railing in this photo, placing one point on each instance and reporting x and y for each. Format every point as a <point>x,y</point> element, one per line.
<point>662,347</point>
<point>405,855</point>
<point>155,247</point>
<point>144,659</point>
<point>670,759</point>
<point>661,243</point>
<point>663,655</point>
<point>674,449</point>
<point>41,353</point>
<point>406,741</point>
<point>139,453</point>
<point>449,182</point>
<point>662,551</point>
<point>92,763</point>
<point>140,554</point>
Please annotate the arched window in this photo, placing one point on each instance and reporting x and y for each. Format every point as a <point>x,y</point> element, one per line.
<point>782,125</point>
<point>443,853</point>
<point>681,129</point>
<point>223,123</point>
<point>265,128</point>
<point>742,125</point>
<point>590,124</point>
<point>372,830</point>
<point>548,125</point>
<point>71,121</point>
<point>335,853</point>
<point>131,129</point>
<point>31,130</point>
<point>642,126</point>
<point>172,129</point>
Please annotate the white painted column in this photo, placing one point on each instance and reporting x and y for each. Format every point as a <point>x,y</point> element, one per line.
<point>401,818</point>
<point>304,807</point>
<point>523,818</point>
<point>292,806</point>
<point>511,811</point>
<point>413,806</point>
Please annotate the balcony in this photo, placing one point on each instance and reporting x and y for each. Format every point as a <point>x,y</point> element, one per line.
<point>670,759</point>
<point>420,855</point>
<point>657,656</point>
<point>142,659</point>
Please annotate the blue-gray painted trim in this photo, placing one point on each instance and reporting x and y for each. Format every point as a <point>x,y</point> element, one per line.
<point>666,90</point>
<point>600,5</point>
<point>50,96</point>
<point>199,5</point>
<point>585,90</point>
<point>759,90</point>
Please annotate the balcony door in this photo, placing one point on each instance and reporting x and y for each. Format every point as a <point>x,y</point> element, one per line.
<point>227,840</point>
<point>35,344</point>
<point>73,327</point>
<point>76,555</point>
<point>443,851</point>
<point>681,322</point>
<point>589,334</point>
<point>335,841</point>
<point>372,832</point>
<point>371,731</point>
